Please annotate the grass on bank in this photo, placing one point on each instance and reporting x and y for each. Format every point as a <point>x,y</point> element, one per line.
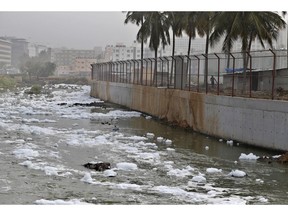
<point>7,82</point>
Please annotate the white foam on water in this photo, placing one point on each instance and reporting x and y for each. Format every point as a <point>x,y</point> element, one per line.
<point>237,173</point>
<point>109,173</point>
<point>60,202</point>
<point>181,173</point>
<point>25,153</point>
<point>126,166</point>
<point>199,179</point>
<point>213,170</point>
<point>250,156</point>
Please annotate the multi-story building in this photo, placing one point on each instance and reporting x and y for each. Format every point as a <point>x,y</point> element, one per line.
<point>36,49</point>
<point>107,55</point>
<point>63,70</point>
<point>66,57</point>
<point>123,52</point>
<point>82,66</point>
<point>72,62</point>
<point>5,53</point>
<point>19,50</point>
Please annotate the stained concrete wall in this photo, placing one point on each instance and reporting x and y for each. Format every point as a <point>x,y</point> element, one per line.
<point>257,122</point>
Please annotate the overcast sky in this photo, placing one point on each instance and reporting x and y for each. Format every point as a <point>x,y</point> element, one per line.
<point>79,30</point>
<point>85,29</point>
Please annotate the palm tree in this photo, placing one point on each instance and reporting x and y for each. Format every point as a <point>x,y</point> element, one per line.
<point>190,27</point>
<point>176,22</point>
<point>205,26</point>
<point>138,19</point>
<point>156,27</point>
<point>222,23</point>
<point>284,13</point>
<point>248,26</point>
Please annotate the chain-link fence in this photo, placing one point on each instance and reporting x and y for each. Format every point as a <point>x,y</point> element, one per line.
<point>257,74</point>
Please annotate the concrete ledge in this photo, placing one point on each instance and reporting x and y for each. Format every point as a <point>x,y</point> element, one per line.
<point>257,122</point>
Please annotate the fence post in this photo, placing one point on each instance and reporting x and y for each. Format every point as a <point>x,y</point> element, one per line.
<point>121,68</point>
<point>162,72</point>
<point>273,72</point>
<point>218,74</point>
<point>206,74</point>
<point>233,75</point>
<point>109,67</point>
<point>141,75</point>
<point>129,78</point>
<point>124,69</point>
<point>134,72</point>
<point>182,66</point>
<point>146,72</point>
<point>173,59</point>
<point>250,78</point>
<point>138,72</point>
<point>168,81</point>
<point>150,71</point>
<point>189,69</point>
<point>198,72</point>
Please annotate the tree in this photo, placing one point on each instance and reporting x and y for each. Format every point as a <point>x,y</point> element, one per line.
<point>35,67</point>
<point>176,22</point>
<point>284,13</point>
<point>31,67</point>
<point>205,26</point>
<point>47,69</point>
<point>191,27</point>
<point>156,27</point>
<point>247,26</point>
<point>138,19</point>
<point>222,23</point>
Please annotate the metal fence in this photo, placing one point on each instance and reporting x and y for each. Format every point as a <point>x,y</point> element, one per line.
<point>265,74</point>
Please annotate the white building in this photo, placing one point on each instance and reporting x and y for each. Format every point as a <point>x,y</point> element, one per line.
<point>5,53</point>
<point>123,52</point>
<point>35,49</point>
<point>66,57</point>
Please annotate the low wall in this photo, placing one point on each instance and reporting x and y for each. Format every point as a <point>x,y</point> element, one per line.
<point>257,122</point>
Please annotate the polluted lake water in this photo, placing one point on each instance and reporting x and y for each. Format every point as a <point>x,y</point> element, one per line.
<point>46,139</point>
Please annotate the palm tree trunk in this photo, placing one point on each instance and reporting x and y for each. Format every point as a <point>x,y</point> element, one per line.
<point>173,51</point>
<point>189,45</point>
<point>228,60</point>
<point>142,51</point>
<point>155,68</point>
<point>244,71</point>
<point>245,63</point>
<point>173,45</point>
<point>206,59</point>
<point>248,51</point>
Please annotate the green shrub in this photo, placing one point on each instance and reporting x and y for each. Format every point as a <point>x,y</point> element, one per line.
<point>7,82</point>
<point>35,89</point>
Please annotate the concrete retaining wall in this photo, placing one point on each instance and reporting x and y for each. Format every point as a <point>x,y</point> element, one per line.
<point>257,122</point>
